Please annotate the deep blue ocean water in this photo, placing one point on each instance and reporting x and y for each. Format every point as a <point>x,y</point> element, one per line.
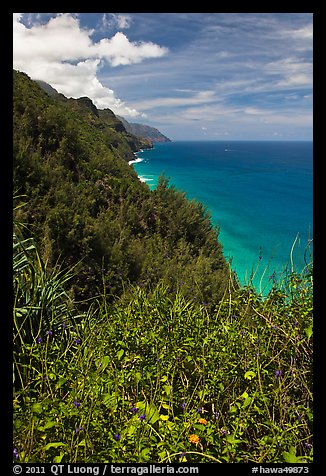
<point>258,193</point>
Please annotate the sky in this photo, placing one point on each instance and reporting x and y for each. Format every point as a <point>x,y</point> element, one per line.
<point>194,76</point>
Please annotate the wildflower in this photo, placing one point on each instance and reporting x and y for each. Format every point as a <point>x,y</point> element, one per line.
<point>224,431</point>
<point>202,421</point>
<point>39,340</point>
<point>49,333</point>
<point>77,404</point>
<point>243,332</point>
<point>78,429</point>
<point>216,415</point>
<point>142,417</point>
<point>117,436</point>
<point>278,374</point>
<point>134,409</point>
<point>64,325</point>
<point>78,341</point>
<point>194,439</point>
<point>200,410</point>
<point>183,406</point>
<point>15,453</point>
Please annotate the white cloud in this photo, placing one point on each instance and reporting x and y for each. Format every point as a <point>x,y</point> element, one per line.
<point>304,33</point>
<point>63,54</point>
<point>118,50</point>
<point>123,21</point>
<point>119,20</point>
<point>200,97</point>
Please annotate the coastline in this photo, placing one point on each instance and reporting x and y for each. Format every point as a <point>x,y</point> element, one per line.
<point>241,186</point>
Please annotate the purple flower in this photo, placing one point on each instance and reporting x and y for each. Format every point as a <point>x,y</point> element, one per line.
<point>200,409</point>
<point>216,415</point>
<point>183,406</point>
<point>39,340</point>
<point>78,429</point>
<point>77,404</point>
<point>64,325</point>
<point>78,341</point>
<point>142,417</point>
<point>117,436</point>
<point>134,409</point>
<point>49,333</point>
<point>278,374</point>
<point>15,453</point>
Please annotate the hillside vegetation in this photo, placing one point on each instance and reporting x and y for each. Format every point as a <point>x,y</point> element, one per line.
<point>133,341</point>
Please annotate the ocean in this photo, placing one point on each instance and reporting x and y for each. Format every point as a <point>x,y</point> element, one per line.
<point>259,194</point>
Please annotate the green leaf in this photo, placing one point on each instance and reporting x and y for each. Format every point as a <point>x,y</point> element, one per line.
<point>249,375</point>
<point>152,414</point>
<point>308,331</point>
<point>110,400</point>
<point>58,459</point>
<point>105,362</point>
<point>60,382</point>
<point>247,402</point>
<point>232,439</point>
<point>49,424</point>
<point>120,354</point>
<point>37,408</point>
<point>53,445</point>
<point>167,389</point>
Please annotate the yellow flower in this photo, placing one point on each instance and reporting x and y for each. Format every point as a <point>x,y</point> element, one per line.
<point>194,439</point>
<point>202,421</point>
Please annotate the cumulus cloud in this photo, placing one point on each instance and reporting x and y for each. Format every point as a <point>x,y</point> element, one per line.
<point>63,54</point>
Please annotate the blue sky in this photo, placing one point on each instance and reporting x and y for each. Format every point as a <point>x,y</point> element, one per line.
<point>195,76</point>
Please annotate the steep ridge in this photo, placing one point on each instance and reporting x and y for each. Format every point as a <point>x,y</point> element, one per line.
<point>87,208</point>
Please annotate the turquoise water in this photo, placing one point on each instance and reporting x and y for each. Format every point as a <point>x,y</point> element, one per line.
<point>258,193</point>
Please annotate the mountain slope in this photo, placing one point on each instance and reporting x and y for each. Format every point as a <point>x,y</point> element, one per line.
<point>106,117</point>
<point>142,130</point>
<point>87,207</point>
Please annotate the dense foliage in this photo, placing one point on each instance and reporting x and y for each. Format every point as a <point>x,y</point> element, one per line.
<point>85,203</point>
<point>158,377</point>
<point>133,341</point>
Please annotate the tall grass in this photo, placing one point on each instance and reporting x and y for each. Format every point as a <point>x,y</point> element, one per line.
<point>157,377</point>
